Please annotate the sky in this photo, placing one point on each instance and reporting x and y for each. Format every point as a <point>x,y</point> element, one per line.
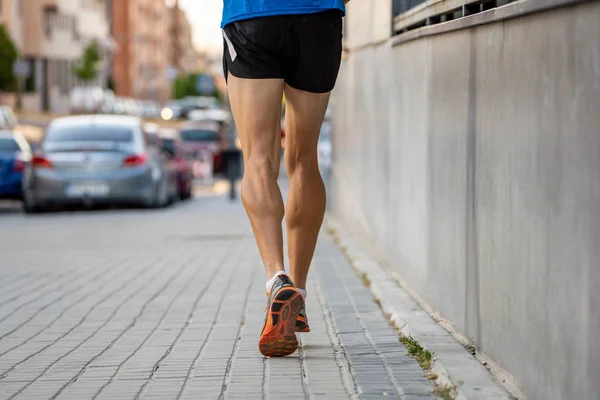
<point>205,18</point>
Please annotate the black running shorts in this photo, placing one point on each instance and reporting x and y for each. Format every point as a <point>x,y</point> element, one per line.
<point>304,50</point>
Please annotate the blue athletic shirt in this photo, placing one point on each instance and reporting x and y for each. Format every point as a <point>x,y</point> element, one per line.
<point>235,10</point>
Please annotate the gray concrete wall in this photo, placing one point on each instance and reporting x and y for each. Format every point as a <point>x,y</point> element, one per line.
<point>471,159</point>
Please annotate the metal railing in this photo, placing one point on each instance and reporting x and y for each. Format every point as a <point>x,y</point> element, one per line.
<point>402,6</point>
<point>414,14</point>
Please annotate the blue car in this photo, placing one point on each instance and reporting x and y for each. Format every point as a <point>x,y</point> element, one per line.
<point>15,155</point>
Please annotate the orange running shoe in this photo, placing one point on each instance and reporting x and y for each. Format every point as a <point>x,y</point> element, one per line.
<point>278,337</point>
<point>302,321</point>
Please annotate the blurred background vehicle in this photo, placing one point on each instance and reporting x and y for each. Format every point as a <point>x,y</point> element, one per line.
<point>152,130</point>
<point>192,103</point>
<point>179,164</point>
<point>15,154</point>
<point>201,140</point>
<point>92,99</point>
<point>133,107</point>
<point>150,109</point>
<point>120,106</point>
<point>108,107</point>
<point>172,110</point>
<point>8,119</point>
<point>97,160</point>
<point>209,114</point>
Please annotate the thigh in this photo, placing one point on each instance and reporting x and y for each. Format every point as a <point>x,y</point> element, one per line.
<point>319,37</point>
<point>304,116</point>
<point>256,108</point>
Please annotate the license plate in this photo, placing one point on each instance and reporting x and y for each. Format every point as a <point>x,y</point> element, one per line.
<point>95,189</point>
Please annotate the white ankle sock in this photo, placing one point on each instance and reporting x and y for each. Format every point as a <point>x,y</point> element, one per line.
<point>272,280</point>
<point>303,293</point>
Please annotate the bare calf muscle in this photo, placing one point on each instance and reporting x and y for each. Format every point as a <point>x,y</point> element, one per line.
<point>262,60</point>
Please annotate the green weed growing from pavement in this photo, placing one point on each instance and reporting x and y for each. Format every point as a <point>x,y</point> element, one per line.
<point>425,358</point>
<point>416,351</point>
<point>365,280</point>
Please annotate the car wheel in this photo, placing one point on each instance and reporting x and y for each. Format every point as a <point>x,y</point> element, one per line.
<point>32,208</point>
<point>149,202</point>
<point>29,206</point>
<point>152,200</point>
<point>173,198</point>
<point>187,193</point>
<point>161,195</point>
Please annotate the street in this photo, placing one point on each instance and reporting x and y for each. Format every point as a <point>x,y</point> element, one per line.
<point>168,304</point>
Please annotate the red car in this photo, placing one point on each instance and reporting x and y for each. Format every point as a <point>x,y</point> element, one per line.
<point>200,139</point>
<point>179,166</point>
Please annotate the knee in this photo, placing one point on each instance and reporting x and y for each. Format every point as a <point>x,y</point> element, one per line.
<point>261,166</point>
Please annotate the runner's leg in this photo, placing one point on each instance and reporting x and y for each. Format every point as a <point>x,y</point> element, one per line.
<point>256,108</point>
<point>306,199</point>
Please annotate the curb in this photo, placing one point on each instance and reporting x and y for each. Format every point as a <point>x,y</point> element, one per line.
<point>453,364</point>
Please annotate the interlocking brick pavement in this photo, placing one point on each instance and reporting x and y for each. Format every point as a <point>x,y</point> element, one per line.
<point>168,304</point>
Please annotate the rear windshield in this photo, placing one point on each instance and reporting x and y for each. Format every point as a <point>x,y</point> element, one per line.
<point>199,135</point>
<point>90,133</point>
<point>9,144</point>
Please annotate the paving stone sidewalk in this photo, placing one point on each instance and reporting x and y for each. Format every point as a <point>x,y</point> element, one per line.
<point>132,304</point>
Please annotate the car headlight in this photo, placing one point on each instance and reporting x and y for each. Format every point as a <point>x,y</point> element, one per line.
<point>166,114</point>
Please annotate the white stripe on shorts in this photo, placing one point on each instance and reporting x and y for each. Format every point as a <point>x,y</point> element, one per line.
<point>232,51</point>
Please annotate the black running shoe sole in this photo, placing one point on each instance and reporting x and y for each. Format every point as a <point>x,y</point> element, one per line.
<point>278,337</point>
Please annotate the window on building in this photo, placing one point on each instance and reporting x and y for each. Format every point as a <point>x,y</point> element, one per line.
<point>50,20</point>
<point>75,29</point>
<point>71,76</point>
<point>54,72</point>
<point>64,84</point>
<point>30,81</point>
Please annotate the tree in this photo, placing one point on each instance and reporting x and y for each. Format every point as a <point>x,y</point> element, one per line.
<point>86,69</point>
<point>185,85</point>
<point>8,56</point>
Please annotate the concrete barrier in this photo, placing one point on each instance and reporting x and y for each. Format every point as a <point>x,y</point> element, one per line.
<point>471,160</point>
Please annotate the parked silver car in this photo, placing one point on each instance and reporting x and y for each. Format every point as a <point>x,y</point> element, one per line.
<point>97,159</point>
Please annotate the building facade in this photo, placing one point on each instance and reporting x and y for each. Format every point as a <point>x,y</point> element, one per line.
<point>140,29</point>
<point>478,131</point>
<point>11,16</point>
<point>182,54</point>
<point>51,36</point>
